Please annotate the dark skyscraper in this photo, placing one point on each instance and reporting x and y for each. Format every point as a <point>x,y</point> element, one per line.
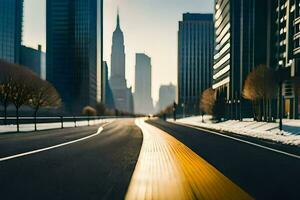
<point>143,102</point>
<point>122,94</point>
<point>108,99</point>
<point>34,59</point>
<point>287,51</point>
<point>11,18</point>
<point>74,51</point>
<point>241,32</point>
<point>195,59</point>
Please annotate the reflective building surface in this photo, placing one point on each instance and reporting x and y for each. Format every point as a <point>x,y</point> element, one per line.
<point>11,18</point>
<point>34,59</point>
<point>287,47</point>
<point>74,51</point>
<point>195,58</point>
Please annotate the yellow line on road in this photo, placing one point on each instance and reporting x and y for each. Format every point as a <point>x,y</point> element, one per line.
<point>167,169</point>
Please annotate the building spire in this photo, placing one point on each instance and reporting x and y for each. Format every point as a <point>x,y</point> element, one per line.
<point>118,18</point>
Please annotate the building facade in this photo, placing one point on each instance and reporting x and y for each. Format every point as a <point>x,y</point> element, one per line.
<point>11,20</point>
<point>123,98</point>
<point>167,96</point>
<point>143,103</point>
<point>108,99</point>
<point>34,59</point>
<point>74,51</point>
<point>287,53</point>
<point>195,59</point>
<point>242,32</point>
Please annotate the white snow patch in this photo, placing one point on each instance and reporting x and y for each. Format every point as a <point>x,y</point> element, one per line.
<point>270,131</point>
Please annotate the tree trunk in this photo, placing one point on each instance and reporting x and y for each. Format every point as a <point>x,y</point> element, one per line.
<point>253,110</point>
<point>18,125</point>
<point>280,105</point>
<point>5,113</point>
<point>35,121</point>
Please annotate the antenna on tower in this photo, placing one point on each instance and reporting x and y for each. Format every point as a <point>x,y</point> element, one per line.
<point>118,17</point>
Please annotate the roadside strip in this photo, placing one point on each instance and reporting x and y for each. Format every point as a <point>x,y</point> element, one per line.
<point>167,169</point>
<point>239,140</point>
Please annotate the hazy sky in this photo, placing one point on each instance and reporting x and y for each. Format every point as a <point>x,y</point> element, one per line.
<point>149,26</point>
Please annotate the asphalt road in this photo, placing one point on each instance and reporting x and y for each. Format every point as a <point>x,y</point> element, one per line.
<point>264,174</point>
<point>99,167</point>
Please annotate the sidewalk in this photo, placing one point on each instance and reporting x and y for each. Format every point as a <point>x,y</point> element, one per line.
<point>49,126</point>
<point>270,131</point>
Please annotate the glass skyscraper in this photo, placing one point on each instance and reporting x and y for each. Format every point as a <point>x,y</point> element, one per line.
<point>195,59</point>
<point>242,40</point>
<point>74,51</point>
<point>143,102</point>
<point>287,52</point>
<point>11,16</point>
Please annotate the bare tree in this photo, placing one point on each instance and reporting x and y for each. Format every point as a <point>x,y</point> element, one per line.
<point>6,78</point>
<point>5,93</point>
<point>260,87</point>
<point>21,91</point>
<point>43,95</point>
<point>207,101</point>
<point>89,111</point>
<point>15,86</point>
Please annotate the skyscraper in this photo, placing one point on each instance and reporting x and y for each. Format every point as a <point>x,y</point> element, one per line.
<point>34,59</point>
<point>108,99</point>
<point>11,18</point>
<point>122,94</point>
<point>74,51</point>
<point>143,103</point>
<point>241,32</point>
<point>167,96</point>
<point>287,51</point>
<point>195,58</point>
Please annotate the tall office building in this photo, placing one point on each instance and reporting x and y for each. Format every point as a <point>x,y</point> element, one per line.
<point>167,96</point>
<point>195,58</point>
<point>11,18</point>
<point>122,94</point>
<point>34,59</point>
<point>143,103</point>
<point>287,51</point>
<point>242,33</point>
<point>108,99</point>
<point>74,51</point>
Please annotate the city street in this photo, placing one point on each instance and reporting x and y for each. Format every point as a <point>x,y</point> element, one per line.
<point>132,159</point>
<point>99,167</point>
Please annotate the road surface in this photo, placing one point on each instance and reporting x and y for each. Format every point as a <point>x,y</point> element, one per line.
<point>263,173</point>
<point>132,159</point>
<point>96,168</point>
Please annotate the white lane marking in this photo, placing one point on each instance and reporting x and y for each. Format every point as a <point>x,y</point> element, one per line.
<point>51,147</point>
<point>243,141</point>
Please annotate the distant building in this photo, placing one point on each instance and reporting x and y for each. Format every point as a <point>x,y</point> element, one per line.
<point>11,20</point>
<point>108,99</point>
<point>122,95</point>
<point>74,51</point>
<point>34,59</point>
<point>195,59</point>
<point>167,96</point>
<point>143,103</point>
